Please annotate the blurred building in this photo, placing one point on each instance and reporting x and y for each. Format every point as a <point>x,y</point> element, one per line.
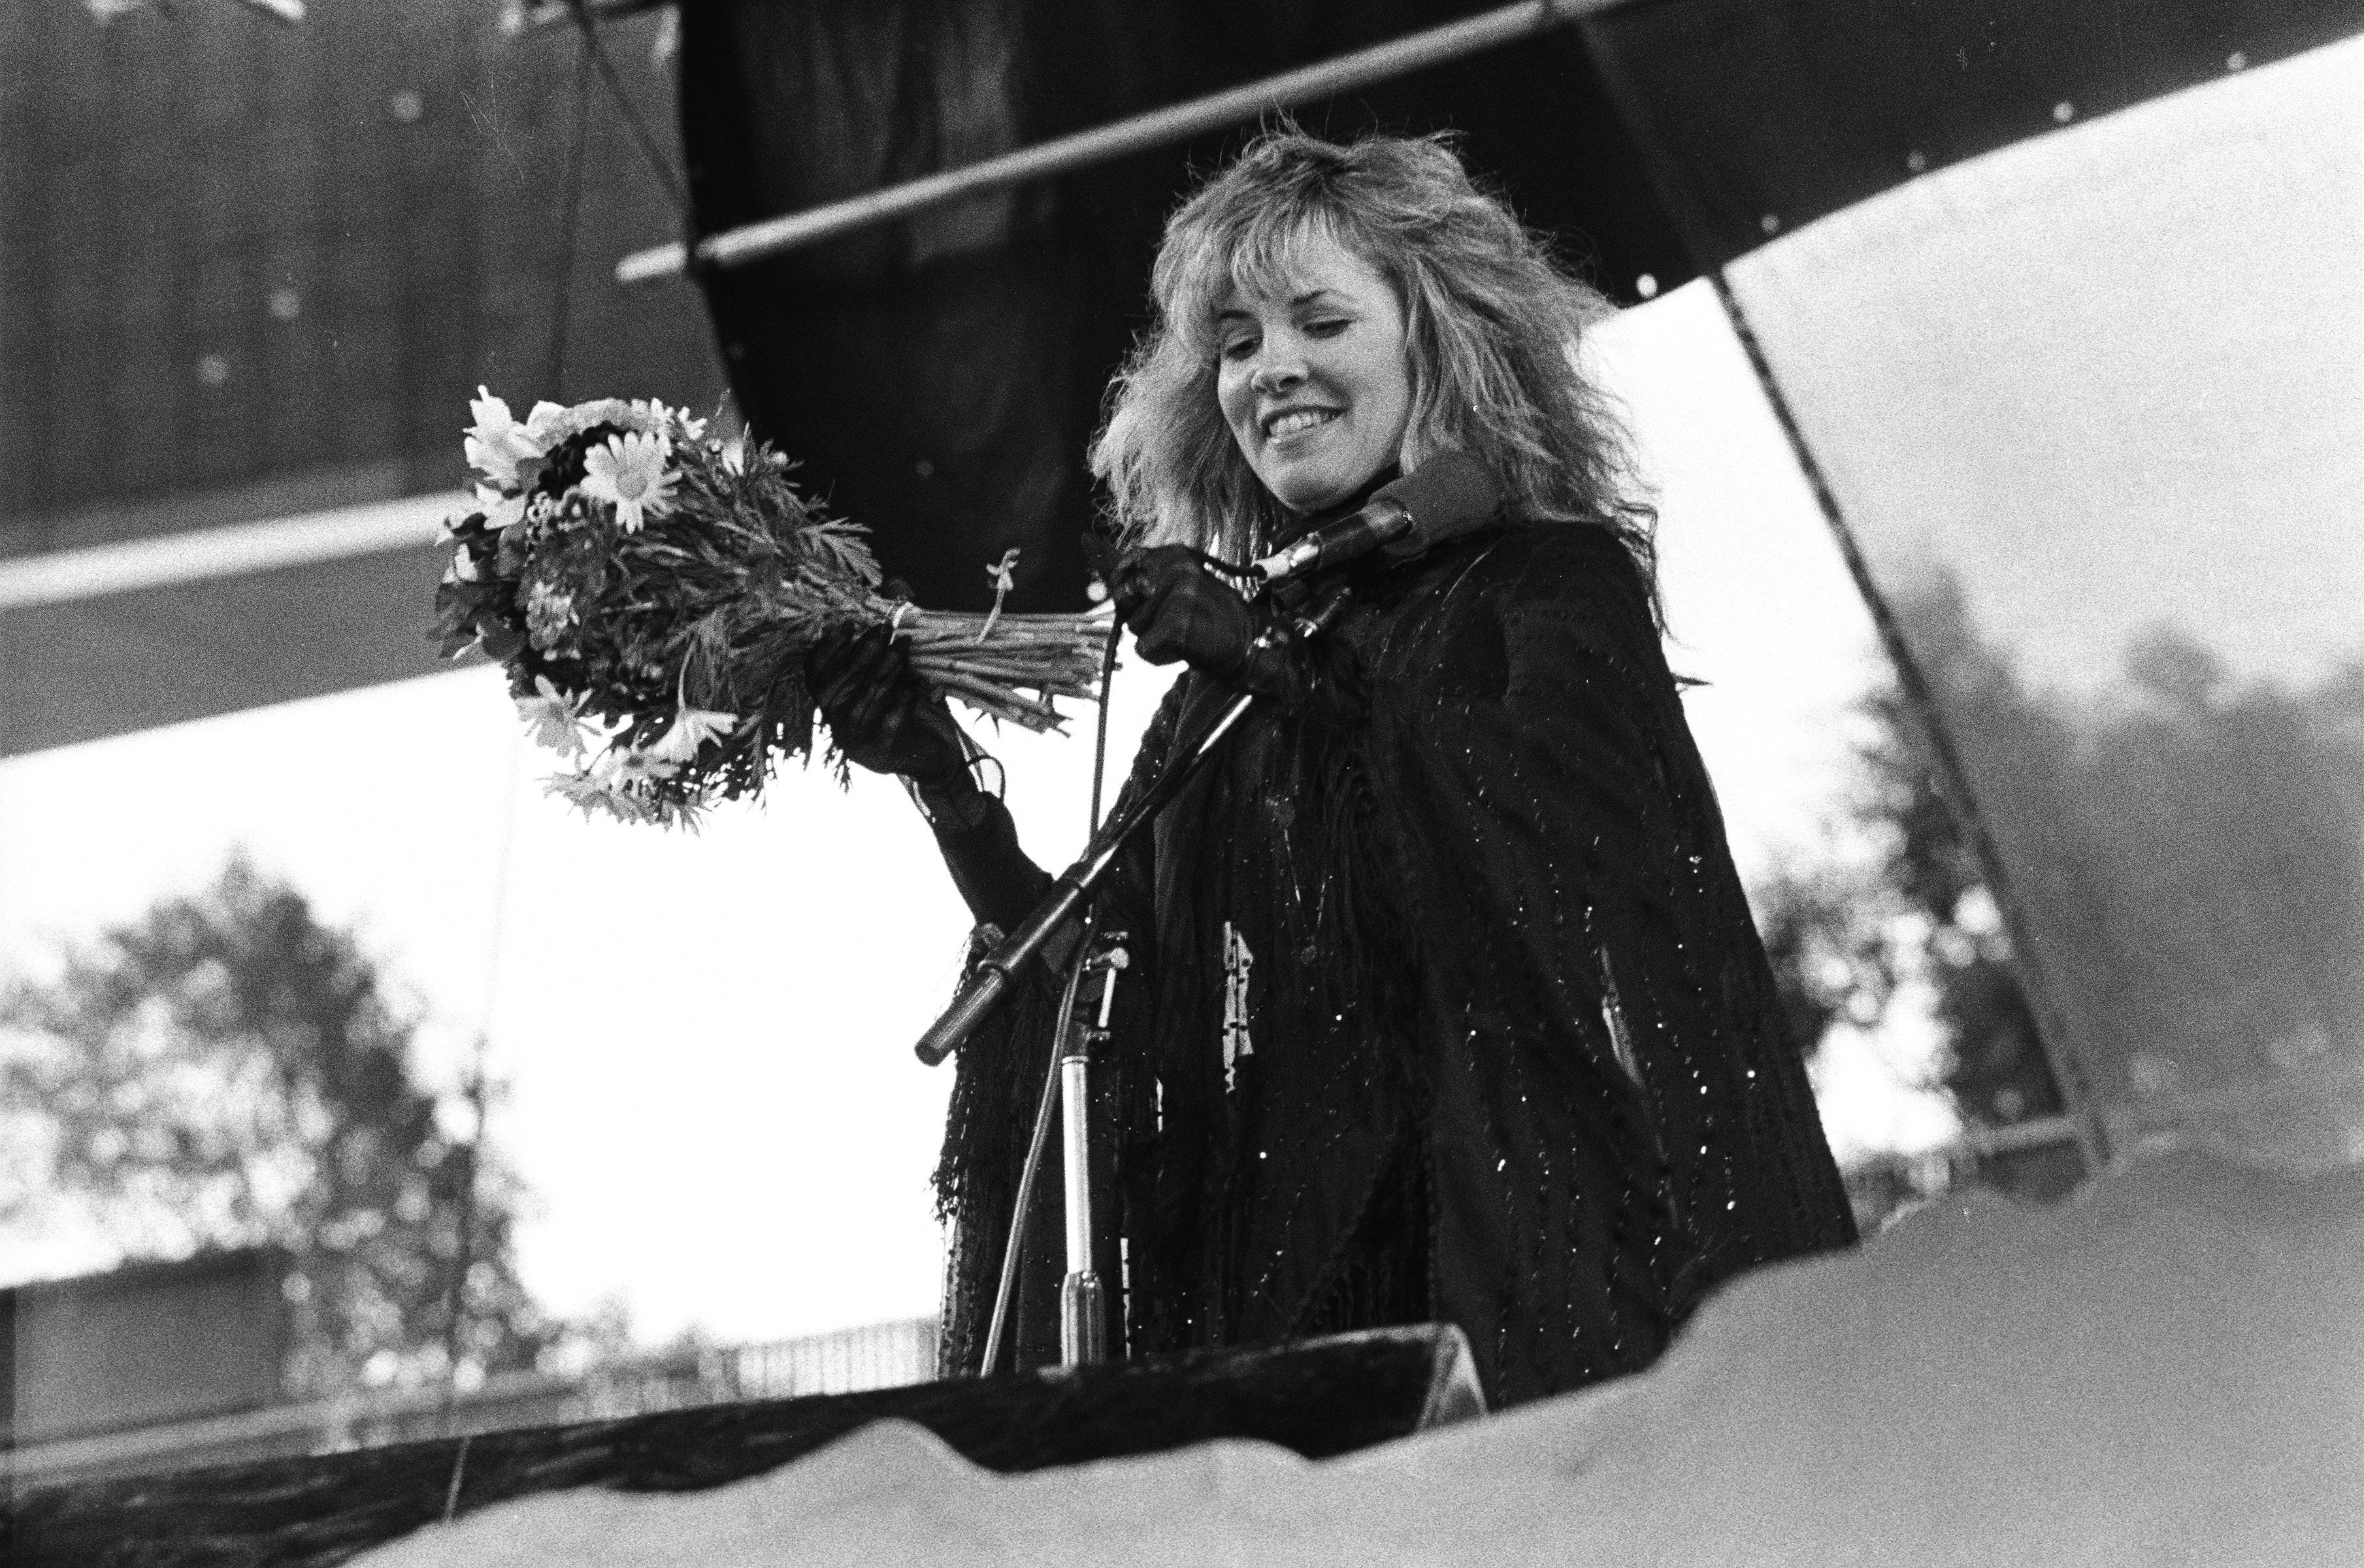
<point>165,1366</point>
<point>143,1346</point>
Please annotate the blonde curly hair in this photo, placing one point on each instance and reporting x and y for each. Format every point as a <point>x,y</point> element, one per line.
<point>1492,326</point>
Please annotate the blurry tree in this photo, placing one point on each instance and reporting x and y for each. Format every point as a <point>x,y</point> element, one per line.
<point>1845,940</point>
<point>227,1071</point>
<point>2219,866</point>
<point>1995,1066</point>
<point>2192,855</point>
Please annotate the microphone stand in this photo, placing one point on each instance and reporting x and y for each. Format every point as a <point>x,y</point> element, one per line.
<point>1075,886</point>
<point>1083,1311</point>
<point>1083,1323</point>
<point>1082,1333</point>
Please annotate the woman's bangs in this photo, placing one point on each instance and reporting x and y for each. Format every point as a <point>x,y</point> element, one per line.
<point>1263,256</point>
<point>1270,257</point>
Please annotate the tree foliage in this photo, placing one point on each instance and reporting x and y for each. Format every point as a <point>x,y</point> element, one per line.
<point>2186,850</point>
<point>228,1071</point>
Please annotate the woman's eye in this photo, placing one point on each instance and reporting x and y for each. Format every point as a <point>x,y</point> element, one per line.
<point>1239,348</point>
<point>1327,327</point>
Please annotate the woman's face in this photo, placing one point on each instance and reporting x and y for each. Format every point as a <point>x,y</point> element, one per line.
<point>1316,386</point>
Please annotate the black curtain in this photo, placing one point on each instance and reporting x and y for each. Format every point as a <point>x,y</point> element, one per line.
<point>939,378</point>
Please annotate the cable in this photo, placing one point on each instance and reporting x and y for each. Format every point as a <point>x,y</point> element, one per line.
<point>657,161</point>
<point>1100,727</point>
<point>456,1295</point>
<point>570,222</point>
<point>456,1298</point>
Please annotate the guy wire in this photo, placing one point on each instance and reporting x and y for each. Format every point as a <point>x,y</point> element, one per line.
<point>641,133</point>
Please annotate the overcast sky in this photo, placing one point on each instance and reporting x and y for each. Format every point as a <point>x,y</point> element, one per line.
<point>708,1038</point>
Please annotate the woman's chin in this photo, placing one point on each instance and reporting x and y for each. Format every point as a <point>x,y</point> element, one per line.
<point>1316,487</point>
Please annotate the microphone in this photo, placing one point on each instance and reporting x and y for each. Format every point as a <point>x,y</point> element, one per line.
<point>1451,494</point>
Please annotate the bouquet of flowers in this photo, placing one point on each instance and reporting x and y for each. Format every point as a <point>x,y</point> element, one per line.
<point>653,592</point>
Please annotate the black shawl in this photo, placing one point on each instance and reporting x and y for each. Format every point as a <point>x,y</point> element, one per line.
<point>1510,1055</point>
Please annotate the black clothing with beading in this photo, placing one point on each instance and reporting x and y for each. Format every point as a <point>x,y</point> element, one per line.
<point>1445,1001</point>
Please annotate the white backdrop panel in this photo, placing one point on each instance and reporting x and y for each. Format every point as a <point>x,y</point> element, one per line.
<point>2093,410</point>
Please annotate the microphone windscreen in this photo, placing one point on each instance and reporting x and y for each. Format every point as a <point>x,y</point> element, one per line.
<point>1449,494</point>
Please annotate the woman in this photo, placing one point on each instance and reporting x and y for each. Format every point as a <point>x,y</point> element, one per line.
<point>1445,1003</point>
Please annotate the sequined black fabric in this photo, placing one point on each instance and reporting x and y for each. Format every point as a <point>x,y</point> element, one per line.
<point>1446,1003</point>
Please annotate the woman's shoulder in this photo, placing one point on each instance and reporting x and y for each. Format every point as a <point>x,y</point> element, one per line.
<point>1523,568</point>
<point>1519,594</point>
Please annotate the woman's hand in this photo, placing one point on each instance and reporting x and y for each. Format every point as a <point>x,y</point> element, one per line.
<point>884,717</point>
<point>1178,609</point>
<point>879,712</point>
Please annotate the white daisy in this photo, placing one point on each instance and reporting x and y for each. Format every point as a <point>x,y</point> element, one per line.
<point>655,416</point>
<point>622,768</point>
<point>629,473</point>
<point>692,729</point>
<point>553,718</point>
<point>593,797</point>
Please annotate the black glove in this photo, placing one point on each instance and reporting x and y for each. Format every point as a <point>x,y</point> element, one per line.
<point>1178,609</point>
<point>882,717</point>
<point>881,714</point>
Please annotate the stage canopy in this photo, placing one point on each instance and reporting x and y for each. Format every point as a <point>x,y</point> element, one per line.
<point>249,275</point>
<point>250,272</point>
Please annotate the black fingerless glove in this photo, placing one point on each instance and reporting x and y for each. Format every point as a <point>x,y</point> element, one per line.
<point>882,716</point>
<point>1179,610</point>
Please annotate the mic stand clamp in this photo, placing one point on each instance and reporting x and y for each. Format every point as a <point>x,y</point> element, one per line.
<point>1083,1305</point>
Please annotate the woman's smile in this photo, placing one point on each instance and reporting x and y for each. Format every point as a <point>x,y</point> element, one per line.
<point>1296,422</point>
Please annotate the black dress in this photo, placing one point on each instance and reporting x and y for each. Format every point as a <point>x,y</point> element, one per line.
<point>1445,1003</point>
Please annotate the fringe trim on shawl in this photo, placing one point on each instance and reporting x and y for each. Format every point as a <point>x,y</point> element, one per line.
<point>996,1084</point>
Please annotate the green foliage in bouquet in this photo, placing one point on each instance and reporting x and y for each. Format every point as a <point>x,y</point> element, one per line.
<point>653,592</point>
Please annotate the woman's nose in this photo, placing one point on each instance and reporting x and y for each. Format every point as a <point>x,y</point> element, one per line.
<point>1277,374</point>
